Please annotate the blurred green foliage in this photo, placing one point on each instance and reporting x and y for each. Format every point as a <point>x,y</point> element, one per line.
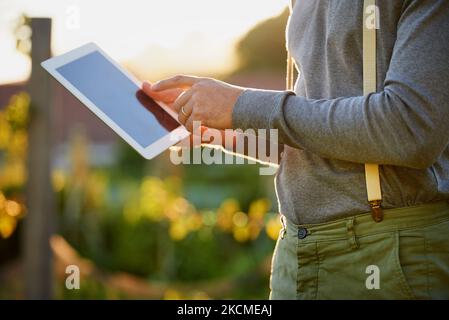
<point>142,221</point>
<point>263,47</point>
<point>148,227</point>
<point>160,223</point>
<point>13,144</point>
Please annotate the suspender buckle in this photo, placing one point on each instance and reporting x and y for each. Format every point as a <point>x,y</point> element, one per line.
<point>376,210</point>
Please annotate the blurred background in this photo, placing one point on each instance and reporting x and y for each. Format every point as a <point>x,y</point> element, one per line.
<point>72,193</point>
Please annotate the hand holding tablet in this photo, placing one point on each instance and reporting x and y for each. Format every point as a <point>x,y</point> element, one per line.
<point>115,97</point>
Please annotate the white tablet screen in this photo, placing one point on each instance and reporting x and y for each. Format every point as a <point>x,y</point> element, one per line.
<point>119,98</point>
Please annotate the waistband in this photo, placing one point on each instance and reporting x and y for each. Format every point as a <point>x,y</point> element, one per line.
<point>363,224</point>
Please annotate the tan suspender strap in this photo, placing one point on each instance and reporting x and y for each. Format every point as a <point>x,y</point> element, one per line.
<point>290,80</point>
<point>369,48</point>
<point>292,4</point>
<point>369,86</point>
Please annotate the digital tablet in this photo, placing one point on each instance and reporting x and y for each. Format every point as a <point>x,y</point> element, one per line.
<point>115,96</point>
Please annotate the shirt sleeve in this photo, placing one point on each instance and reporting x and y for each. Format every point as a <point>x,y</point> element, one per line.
<point>406,124</point>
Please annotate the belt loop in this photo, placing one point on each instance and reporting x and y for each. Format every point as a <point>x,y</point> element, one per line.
<point>284,227</point>
<point>351,234</point>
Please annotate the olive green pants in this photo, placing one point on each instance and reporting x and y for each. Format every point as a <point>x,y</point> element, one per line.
<point>406,256</point>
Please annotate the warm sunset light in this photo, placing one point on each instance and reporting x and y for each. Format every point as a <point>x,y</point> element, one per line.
<point>226,152</point>
<point>153,38</point>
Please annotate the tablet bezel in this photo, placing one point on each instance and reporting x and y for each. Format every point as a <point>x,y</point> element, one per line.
<point>148,152</point>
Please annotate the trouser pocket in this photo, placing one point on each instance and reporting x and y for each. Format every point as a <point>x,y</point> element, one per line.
<point>373,270</point>
<point>436,239</point>
<point>284,269</point>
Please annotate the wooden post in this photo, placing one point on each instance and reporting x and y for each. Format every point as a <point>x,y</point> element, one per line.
<point>39,195</point>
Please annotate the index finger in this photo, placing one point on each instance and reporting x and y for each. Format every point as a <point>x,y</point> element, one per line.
<point>167,96</point>
<point>180,82</point>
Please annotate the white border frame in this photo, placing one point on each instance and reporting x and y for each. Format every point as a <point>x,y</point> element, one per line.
<point>148,152</point>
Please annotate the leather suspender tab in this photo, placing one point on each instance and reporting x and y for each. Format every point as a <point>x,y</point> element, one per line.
<point>376,210</point>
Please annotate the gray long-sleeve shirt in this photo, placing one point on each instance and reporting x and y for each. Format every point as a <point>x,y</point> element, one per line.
<point>330,129</point>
